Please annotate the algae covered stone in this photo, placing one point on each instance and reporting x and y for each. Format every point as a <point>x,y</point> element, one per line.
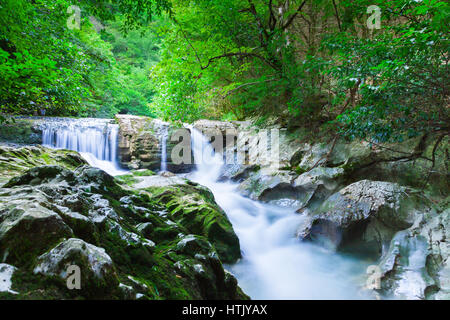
<point>194,208</point>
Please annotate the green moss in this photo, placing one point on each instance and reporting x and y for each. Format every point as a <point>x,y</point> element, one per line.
<point>152,266</point>
<point>14,162</point>
<point>194,208</point>
<point>299,170</point>
<point>127,179</point>
<point>143,173</point>
<point>46,158</point>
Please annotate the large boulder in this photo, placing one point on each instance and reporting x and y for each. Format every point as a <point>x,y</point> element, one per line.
<point>268,184</point>
<point>194,208</point>
<point>314,186</point>
<point>20,131</point>
<point>141,142</point>
<point>212,127</point>
<point>138,142</point>
<point>14,161</point>
<point>43,206</point>
<point>98,274</point>
<point>27,227</point>
<point>368,212</point>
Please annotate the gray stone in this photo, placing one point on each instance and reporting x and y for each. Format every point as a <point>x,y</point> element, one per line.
<point>98,273</point>
<point>28,228</point>
<point>366,211</point>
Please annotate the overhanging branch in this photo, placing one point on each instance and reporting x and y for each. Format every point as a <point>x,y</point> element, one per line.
<point>291,19</point>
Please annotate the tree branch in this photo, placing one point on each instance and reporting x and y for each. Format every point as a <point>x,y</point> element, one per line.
<point>291,19</point>
<point>337,15</point>
<point>248,84</point>
<point>272,19</point>
<point>240,54</point>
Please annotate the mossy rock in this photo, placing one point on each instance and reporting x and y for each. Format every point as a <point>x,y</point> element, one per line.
<point>98,274</point>
<point>194,208</point>
<point>15,161</point>
<point>27,230</point>
<point>20,131</point>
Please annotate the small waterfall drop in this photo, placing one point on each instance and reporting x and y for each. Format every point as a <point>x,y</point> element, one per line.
<point>275,265</point>
<point>164,135</point>
<point>94,139</point>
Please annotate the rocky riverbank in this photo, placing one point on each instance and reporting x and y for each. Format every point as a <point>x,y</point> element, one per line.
<point>55,211</point>
<point>387,201</point>
<point>162,236</point>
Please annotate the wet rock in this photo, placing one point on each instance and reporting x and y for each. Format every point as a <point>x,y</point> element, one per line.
<point>366,211</point>
<point>15,161</point>
<point>81,225</point>
<point>268,184</point>
<point>316,185</point>
<point>159,181</point>
<point>131,238</point>
<point>192,244</point>
<point>98,274</point>
<point>27,229</point>
<point>127,291</point>
<point>212,128</point>
<point>194,208</point>
<point>237,172</point>
<point>138,142</point>
<point>21,131</point>
<point>38,175</point>
<point>45,205</point>
<point>145,229</point>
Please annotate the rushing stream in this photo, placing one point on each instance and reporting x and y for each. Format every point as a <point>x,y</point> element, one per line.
<point>275,265</point>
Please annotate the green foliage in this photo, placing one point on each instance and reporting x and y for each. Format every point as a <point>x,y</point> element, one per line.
<point>403,71</point>
<point>308,63</point>
<point>122,85</point>
<point>41,68</point>
<point>47,68</point>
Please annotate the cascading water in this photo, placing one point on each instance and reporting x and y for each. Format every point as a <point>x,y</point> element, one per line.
<point>275,265</point>
<point>94,139</point>
<point>164,134</point>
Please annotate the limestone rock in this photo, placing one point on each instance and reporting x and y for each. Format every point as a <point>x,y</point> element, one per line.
<point>367,211</point>
<point>98,274</point>
<point>15,161</point>
<point>27,229</point>
<point>138,143</point>
<point>314,186</point>
<point>44,205</point>
<point>194,208</point>
<point>269,184</point>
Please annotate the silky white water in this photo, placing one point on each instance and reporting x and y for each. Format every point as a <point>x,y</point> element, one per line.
<point>94,139</point>
<point>164,135</point>
<point>275,265</point>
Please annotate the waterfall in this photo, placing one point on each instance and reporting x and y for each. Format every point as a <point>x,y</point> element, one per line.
<point>164,134</point>
<point>94,139</point>
<point>275,265</point>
